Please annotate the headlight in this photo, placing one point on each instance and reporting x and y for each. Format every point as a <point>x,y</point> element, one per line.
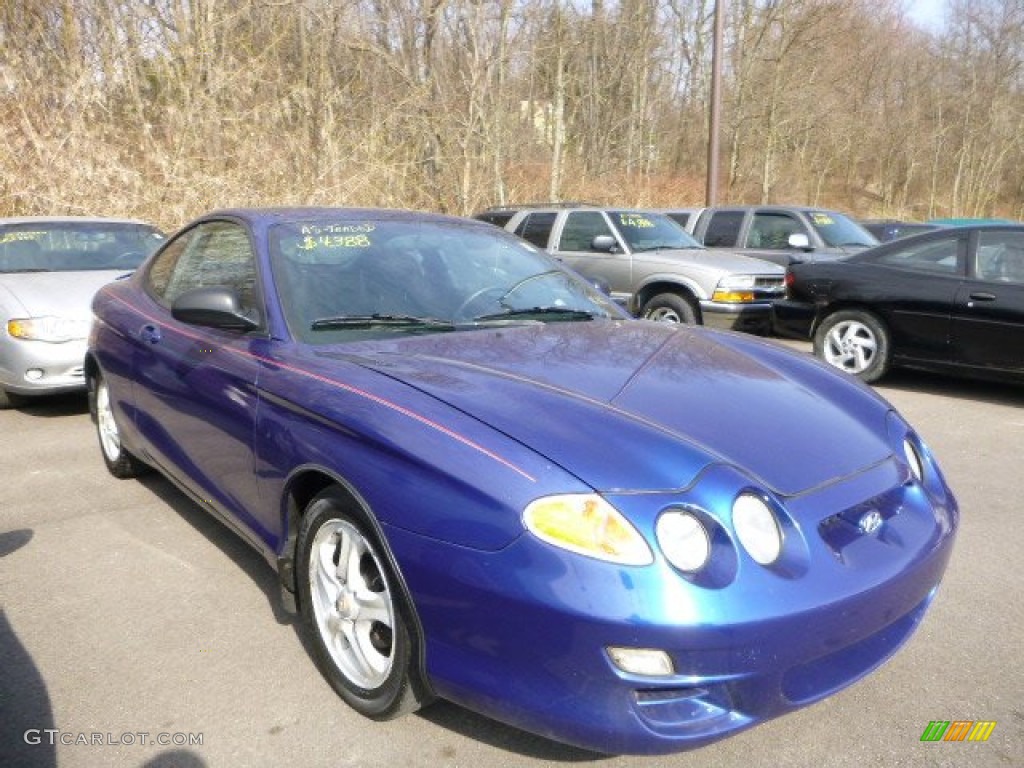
<point>683,539</point>
<point>737,283</point>
<point>757,528</point>
<point>588,525</point>
<point>913,459</point>
<point>51,329</point>
<point>735,289</point>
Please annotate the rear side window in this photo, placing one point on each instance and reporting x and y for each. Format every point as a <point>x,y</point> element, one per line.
<point>931,256</point>
<point>724,229</point>
<point>497,218</point>
<point>536,228</point>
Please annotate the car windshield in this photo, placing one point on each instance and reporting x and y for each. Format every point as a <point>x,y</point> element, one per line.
<point>75,246</point>
<point>838,231</point>
<point>353,279</point>
<point>646,231</point>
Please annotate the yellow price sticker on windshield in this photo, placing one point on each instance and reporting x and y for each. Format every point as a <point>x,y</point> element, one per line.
<point>635,220</point>
<point>15,237</point>
<point>822,219</point>
<point>310,242</point>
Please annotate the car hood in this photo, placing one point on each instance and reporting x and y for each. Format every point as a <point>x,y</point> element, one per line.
<point>68,294</point>
<point>724,262</point>
<point>632,405</point>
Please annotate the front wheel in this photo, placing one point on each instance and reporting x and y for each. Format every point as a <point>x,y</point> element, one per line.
<point>354,612</point>
<point>854,341</point>
<point>670,308</point>
<point>120,462</point>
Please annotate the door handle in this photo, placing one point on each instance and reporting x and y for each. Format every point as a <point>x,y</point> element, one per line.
<point>150,333</point>
<point>983,296</point>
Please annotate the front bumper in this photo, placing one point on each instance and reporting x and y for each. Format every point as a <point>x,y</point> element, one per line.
<point>751,318</point>
<point>521,635</point>
<point>40,368</point>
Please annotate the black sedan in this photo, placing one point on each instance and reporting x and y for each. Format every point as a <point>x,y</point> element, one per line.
<point>950,300</point>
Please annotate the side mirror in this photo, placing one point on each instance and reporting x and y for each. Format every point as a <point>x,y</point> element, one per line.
<point>214,307</point>
<point>800,241</point>
<point>604,243</point>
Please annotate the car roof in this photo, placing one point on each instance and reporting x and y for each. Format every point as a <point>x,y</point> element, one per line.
<point>277,215</point>
<point>967,222</point>
<point>774,207</point>
<point>69,220</point>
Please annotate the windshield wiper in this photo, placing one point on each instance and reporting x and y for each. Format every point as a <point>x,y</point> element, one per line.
<point>668,247</point>
<point>564,312</point>
<point>377,320</point>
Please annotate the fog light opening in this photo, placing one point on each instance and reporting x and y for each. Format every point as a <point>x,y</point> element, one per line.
<point>648,662</point>
<point>34,374</point>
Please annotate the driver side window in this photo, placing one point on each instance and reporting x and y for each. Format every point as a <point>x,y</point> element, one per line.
<point>772,230</point>
<point>580,229</point>
<point>214,253</point>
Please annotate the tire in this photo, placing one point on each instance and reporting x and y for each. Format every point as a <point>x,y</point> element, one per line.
<point>120,462</point>
<point>855,341</point>
<point>11,400</point>
<point>670,308</point>
<point>352,607</point>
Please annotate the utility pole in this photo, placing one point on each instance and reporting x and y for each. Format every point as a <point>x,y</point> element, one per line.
<point>711,195</point>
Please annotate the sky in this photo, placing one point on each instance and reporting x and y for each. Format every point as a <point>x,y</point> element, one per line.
<point>927,13</point>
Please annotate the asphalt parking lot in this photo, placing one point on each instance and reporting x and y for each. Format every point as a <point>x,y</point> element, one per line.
<point>136,631</point>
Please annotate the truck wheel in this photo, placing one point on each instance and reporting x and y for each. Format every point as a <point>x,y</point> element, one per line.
<point>670,308</point>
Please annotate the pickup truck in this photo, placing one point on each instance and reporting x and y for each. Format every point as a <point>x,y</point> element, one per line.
<point>651,264</point>
<point>783,234</point>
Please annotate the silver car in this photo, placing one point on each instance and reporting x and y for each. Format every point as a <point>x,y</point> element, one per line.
<point>50,268</point>
<point>653,266</point>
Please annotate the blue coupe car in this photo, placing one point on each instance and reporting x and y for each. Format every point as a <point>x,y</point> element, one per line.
<point>478,480</point>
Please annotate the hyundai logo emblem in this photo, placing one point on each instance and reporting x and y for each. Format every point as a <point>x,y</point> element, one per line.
<point>871,522</point>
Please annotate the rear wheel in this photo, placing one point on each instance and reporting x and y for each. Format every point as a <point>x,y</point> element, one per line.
<point>119,461</point>
<point>354,611</point>
<point>855,341</point>
<point>670,308</point>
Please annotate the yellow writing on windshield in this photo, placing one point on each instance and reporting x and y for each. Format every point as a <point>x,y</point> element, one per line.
<point>309,242</point>
<point>822,219</point>
<point>13,237</point>
<point>335,229</point>
<point>635,220</point>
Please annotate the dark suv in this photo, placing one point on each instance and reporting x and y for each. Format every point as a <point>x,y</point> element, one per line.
<point>651,264</point>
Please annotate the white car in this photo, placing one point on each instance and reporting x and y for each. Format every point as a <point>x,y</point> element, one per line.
<point>50,269</point>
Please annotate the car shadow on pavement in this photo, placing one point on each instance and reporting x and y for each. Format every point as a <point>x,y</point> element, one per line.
<point>25,710</point>
<point>927,382</point>
<point>219,534</point>
<point>441,713</point>
<point>175,758</point>
<point>56,406</point>
<point>506,737</point>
